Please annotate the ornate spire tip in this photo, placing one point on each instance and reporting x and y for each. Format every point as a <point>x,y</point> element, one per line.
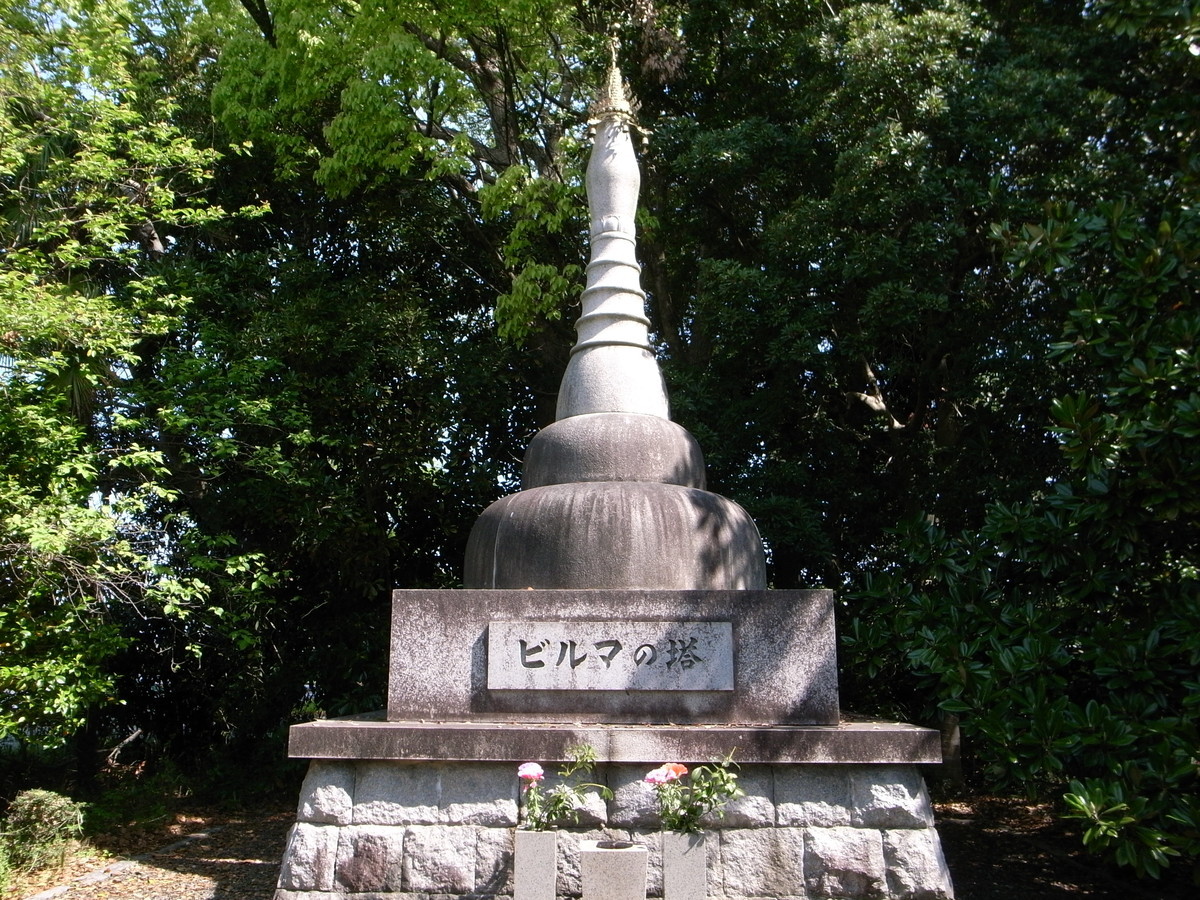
<point>612,100</point>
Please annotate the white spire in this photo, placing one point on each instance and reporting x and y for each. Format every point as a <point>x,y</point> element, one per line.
<point>612,368</point>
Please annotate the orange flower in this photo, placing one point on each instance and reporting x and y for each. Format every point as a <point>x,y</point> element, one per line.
<point>666,773</point>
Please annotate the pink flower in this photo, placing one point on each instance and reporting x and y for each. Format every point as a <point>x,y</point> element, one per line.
<point>530,772</point>
<point>666,773</point>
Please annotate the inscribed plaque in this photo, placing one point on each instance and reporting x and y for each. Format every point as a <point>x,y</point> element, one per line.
<point>610,656</point>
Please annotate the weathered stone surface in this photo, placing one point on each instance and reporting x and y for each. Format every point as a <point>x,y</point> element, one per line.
<point>754,810</point>
<point>632,804</point>
<point>611,366</point>
<point>494,861</point>
<point>570,882</point>
<point>389,793</point>
<point>889,797</point>
<point>685,865</point>
<point>308,861</point>
<point>615,535</point>
<point>612,874</point>
<point>327,795</point>
<point>612,378</point>
<point>785,656</point>
<point>439,859</point>
<point>363,738</point>
<point>763,862</point>
<point>370,858</point>
<point>652,841</point>
<point>479,794</point>
<point>582,655</point>
<point>613,447</point>
<point>915,865</point>
<point>747,857</point>
<point>812,795</point>
<point>844,862</point>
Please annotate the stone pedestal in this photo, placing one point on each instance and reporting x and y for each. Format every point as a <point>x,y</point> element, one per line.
<point>613,656</point>
<point>612,870</point>
<point>829,812</point>
<point>685,866</point>
<point>424,801</point>
<point>535,865</point>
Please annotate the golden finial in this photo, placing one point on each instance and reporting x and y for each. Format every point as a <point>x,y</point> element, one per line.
<point>612,102</point>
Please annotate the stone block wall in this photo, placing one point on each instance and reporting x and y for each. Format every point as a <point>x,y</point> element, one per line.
<point>369,830</point>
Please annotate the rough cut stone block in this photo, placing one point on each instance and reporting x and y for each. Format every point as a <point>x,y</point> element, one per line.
<point>494,861</point>
<point>817,796</point>
<point>633,804</point>
<point>482,794</point>
<point>652,841</point>
<point>756,809</point>
<point>396,794</point>
<point>845,862</point>
<point>308,861</point>
<point>889,797</point>
<point>439,859</point>
<point>592,813</point>
<point>916,867</point>
<point>762,862</point>
<point>327,796</point>
<point>370,858</point>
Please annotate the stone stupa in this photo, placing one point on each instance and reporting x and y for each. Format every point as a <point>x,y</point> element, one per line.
<point>613,602</point>
<point>613,492</point>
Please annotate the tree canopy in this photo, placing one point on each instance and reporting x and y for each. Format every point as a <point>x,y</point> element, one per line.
<point>286,286</point>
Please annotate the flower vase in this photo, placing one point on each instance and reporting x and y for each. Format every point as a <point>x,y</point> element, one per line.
<point>685,866</point>
<point>535,865</point>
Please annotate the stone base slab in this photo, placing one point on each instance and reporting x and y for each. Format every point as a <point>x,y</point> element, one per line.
<point>849,742</point>
<point>370,830</point>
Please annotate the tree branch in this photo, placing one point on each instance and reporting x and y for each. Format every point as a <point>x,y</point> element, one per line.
<point>873,397</point>
<point>262,18</point>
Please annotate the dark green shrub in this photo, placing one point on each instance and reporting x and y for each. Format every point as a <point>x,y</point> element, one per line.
<point>1065,632</point>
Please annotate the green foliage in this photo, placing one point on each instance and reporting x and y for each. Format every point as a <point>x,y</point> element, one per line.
<point>560,804</point>
<point>224,438</point>
<point>842,335</point>
<point>94,179</point>
<point>39,828</point>
<point>1065,629</point>
<point>478,97</point>
<point>684,799</point>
